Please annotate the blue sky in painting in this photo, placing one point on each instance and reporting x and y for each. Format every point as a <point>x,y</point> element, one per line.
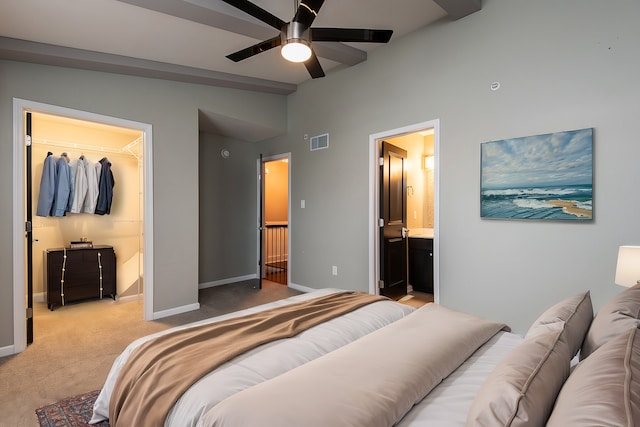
<point>561,158</point>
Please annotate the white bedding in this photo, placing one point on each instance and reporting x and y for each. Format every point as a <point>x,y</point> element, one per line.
<point>264,362</point>
<point>446,405</point>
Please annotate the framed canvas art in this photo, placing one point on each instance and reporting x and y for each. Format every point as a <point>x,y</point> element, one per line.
<point>541,177</point>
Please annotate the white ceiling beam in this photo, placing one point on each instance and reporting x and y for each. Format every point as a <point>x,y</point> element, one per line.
<point>457,9</point>
<point>41,53</point>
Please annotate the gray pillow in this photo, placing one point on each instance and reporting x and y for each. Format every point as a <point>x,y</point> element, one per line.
<point>617,316</point>
<point>576,312</point>
<point>604,389</point>
<point>522,388</point>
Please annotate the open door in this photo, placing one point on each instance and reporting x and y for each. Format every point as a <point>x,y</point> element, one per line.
<point>260,222</point>
<point>393,229</point>
<point>28,230</point>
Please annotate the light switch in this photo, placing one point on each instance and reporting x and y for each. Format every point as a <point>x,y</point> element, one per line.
<point>302,204</point>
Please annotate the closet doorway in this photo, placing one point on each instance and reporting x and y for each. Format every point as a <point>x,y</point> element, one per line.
<point>55,131</point>
<point>276,212</point>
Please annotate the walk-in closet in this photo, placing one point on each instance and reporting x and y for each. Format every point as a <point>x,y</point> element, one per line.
<point>87,147</point>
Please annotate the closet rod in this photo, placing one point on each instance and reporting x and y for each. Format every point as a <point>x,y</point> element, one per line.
<point>81,147</point>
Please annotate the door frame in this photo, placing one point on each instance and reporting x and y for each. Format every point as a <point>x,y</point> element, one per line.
<point>374,201</point>
<point>265,159</point>
<point>20,106</point>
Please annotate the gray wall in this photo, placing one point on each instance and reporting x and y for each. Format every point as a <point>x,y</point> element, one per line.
<point>172,109</point>
<point>562,65</point>
<point>228,209</point>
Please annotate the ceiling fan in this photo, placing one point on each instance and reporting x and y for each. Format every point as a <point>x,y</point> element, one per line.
<point>296,36</point>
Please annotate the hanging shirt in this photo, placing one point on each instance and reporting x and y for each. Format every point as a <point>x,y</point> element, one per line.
<point>105,196</point>
<point>47,186</point>
<point>93,180</point>
<point>80,183</point>
<point>63,187</point>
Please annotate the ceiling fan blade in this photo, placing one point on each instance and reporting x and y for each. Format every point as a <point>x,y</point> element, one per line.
<point>313,66</point>
<point>257,12</point>
<point>350,35</point>
<point>255,49</point>
<point>307,12</point>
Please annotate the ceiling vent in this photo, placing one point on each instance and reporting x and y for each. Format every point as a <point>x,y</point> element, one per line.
<point>319,142</point>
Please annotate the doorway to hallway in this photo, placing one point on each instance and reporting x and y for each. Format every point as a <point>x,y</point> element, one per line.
<point>275,208</point>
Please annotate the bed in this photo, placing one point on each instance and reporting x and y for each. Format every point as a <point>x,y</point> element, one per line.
<point>380,364</point>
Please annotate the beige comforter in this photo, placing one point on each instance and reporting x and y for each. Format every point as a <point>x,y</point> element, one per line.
<point>373,381</point>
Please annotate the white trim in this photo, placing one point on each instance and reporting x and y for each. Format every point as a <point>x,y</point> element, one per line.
<point>301,288</point>
<point>374,214</point>
<point>129,298</point>
<point>177,310</point>
<point>289,257</point>
<point>227,281</point>
<point>7,351</point>
<point>19,291</point>
<point>147,228</point>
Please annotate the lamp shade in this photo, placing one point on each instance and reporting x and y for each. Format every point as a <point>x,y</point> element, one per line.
<point>628,268</point>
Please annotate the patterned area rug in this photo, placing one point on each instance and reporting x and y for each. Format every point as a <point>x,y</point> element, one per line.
<point>72,412</point>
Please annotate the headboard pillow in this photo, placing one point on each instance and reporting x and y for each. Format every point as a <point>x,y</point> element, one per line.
<point>522,388</point>
<point>604,389</point>
<point>617,316</point>
<point>576,312</point>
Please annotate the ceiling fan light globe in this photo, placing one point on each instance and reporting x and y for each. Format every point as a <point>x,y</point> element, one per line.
<point>296,51</point>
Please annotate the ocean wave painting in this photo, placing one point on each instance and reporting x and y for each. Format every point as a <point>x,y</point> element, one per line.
<point>538,177</point>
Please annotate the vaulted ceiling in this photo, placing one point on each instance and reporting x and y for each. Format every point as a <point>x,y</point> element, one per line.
<point>187,40</point>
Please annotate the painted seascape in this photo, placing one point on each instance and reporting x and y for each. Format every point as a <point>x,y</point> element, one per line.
<point>544,177</point>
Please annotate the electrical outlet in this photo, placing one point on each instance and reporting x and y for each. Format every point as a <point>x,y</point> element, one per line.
<point>334,270</point>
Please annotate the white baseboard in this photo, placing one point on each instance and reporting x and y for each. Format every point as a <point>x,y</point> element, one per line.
<point>7,351</point>
<point>227,281</point>
<point>301,288</point>
<point>174,311</point>
<point>39,297</point>
<point>128,298</point>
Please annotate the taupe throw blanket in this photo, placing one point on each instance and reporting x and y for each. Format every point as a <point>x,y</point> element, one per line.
<point>159,371</point>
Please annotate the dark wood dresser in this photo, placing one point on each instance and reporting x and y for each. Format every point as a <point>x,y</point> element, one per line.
<point>74,274</point>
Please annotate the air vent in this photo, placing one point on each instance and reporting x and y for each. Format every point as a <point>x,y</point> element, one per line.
<point>319,142</point>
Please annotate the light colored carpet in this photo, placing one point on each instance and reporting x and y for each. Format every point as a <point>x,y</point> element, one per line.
<point>74,346</point>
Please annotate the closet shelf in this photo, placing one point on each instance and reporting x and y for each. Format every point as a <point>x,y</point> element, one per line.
<point>132,149</point>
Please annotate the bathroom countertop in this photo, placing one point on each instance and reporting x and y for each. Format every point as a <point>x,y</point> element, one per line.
<point>421,233</point>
